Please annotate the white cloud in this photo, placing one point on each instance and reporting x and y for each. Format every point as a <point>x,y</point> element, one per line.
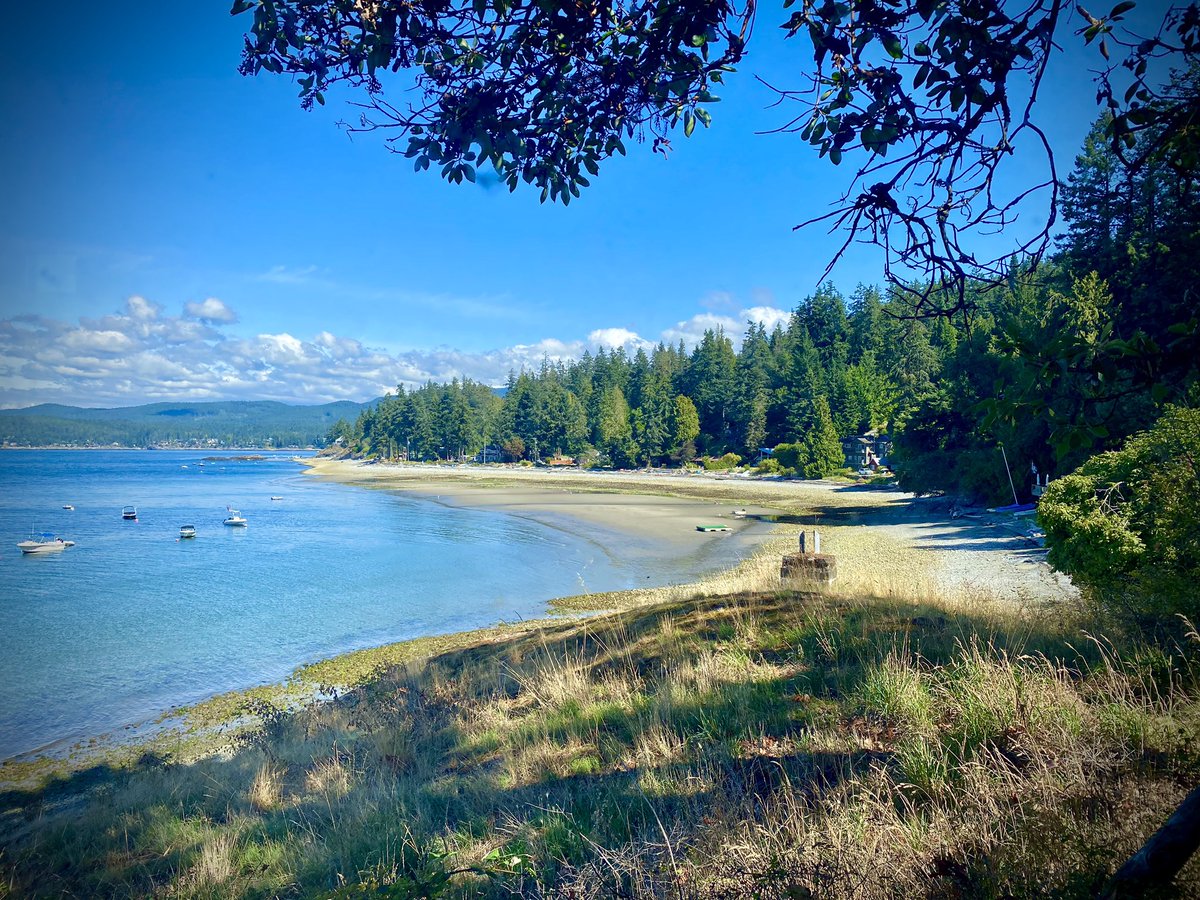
<point>769,316</point>
<point>142,353</point>
<point>83,339</point>
<point>286,275</point>
<point>210,310</point>
<point>280,348</point>
<point>141,308</point>
<point>692,330</point>
<point>618,337</point>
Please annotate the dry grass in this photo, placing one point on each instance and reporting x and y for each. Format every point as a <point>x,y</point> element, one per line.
<point>757,744</point>
<point>329,778</point>
<point>214,865</point>
<point>266,790</point>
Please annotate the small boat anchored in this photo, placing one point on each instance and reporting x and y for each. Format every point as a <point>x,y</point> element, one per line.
<point>187,531</point>
<point>128,512</point>
<point>68,506</point>
<point>44,543</point>
<point>234,518</point>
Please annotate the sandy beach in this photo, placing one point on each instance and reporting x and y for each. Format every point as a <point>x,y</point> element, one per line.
<point>887,542</point>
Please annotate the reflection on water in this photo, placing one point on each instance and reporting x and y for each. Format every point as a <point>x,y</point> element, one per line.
<point>133,620</point>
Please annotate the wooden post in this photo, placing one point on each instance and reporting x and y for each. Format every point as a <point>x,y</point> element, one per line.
<point>810,567</point>
<point>1161,858</point>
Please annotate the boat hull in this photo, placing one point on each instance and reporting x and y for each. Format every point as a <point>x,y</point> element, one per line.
<point>44,546</point>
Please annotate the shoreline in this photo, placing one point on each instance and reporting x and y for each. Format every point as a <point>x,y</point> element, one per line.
<point>874,531</point>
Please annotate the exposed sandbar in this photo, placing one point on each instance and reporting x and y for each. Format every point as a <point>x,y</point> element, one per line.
<point>887,543</point>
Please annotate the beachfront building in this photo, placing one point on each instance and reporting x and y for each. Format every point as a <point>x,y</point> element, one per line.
<point>867,451</point>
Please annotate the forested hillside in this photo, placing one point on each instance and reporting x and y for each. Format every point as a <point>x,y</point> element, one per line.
<point>1063,361</point>
<point>225,424</point>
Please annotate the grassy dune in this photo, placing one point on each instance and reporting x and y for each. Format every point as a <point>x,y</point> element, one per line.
<point>768,744</point>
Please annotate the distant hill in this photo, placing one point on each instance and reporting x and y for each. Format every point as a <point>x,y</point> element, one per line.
<point>233,423</point>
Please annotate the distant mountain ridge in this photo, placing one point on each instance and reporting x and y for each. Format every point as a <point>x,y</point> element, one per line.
<point>227,423</point>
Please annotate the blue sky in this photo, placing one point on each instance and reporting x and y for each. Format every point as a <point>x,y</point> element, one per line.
<point>172,230</point>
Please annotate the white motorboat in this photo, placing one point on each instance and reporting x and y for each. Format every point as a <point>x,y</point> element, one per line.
<point>187,531</point>
<point>234,517</point>
<point>128,512</point>
<point>44,543</point>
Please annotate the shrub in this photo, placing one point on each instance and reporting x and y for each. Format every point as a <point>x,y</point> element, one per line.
<point>789,456</point>
<point>1126,524</point>
<point>722,463</point>
<point>770,466</point>
<point>817,456</point>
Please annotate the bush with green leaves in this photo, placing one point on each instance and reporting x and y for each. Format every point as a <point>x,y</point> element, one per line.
<point>770,466</point>
<point>1126,524</point>
<point>722,463</point>
<point>787,455</point>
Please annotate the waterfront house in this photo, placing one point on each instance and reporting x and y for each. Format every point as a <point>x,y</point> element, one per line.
<point>867,451</point>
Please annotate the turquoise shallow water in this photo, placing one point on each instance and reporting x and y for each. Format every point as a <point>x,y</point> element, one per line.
<point>132,621</point>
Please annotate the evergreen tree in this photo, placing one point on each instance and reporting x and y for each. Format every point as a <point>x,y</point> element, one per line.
<point>709,381</point>
<point>614,430</point>
<point>803,383</point>
<point>652,428</point>
<point>823,454</point>
<point>866,322</point>
<point>756,425</point>
<point>752,378</point>
<point>685,428</point>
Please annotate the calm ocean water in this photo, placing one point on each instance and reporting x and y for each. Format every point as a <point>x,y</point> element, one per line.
<point>132,621</point>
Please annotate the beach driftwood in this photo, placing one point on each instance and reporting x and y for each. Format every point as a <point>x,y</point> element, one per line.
<point>1160,859</point>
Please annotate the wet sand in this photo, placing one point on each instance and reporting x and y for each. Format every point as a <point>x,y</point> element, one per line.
<point>886,541</point>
